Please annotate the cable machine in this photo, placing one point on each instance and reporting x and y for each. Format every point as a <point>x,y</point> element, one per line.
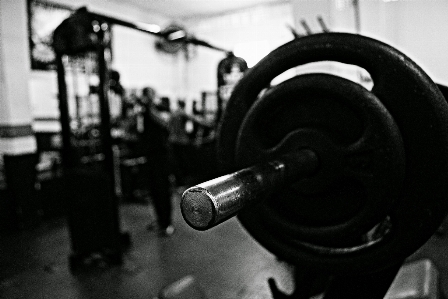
<point>82,47</point>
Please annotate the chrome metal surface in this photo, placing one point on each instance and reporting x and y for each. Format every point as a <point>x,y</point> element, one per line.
<point>210,203</point>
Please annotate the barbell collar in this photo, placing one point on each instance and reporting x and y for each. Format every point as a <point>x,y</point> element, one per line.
<point>205,205</point>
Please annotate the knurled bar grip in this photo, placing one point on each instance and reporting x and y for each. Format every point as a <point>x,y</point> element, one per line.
<point>205,205</point>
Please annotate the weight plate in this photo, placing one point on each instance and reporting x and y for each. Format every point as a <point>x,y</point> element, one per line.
<point>421,115</point>
<point>359,147</point>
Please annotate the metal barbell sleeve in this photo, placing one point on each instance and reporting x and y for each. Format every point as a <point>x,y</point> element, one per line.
<point>205,205</point>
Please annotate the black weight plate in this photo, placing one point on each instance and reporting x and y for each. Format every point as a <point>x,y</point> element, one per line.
<point>421,114</point>
<point>359,147</point>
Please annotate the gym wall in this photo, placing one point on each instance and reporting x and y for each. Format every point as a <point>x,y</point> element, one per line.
<point>414,27</point>
<point>262,28</point>
<point>135,73</point>
<point>254,32</point>
<point>251,33</point>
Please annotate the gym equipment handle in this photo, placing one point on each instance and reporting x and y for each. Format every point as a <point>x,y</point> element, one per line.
<point>205,205</point>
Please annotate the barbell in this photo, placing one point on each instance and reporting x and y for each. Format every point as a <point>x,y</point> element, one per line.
<point>325,173</point>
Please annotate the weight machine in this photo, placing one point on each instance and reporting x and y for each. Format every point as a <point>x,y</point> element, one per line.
<point>82,47</point>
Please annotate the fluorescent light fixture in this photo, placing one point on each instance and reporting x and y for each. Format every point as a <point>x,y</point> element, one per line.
<point>177,35</point>
<point>149,27</point>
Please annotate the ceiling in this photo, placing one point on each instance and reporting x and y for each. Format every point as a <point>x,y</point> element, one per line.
<point>187,9</point>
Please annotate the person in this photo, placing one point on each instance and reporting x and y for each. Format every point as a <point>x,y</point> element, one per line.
<point>154,138</point>
<point>183,148</point>
<point>116,96</point>
<point>179,142</point>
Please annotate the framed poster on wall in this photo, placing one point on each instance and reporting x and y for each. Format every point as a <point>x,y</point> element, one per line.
<point>43,18</point>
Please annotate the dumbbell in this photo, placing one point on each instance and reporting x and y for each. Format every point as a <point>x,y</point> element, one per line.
<point>325,173</point>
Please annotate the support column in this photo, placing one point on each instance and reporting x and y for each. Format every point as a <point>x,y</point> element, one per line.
<point>17,141</point>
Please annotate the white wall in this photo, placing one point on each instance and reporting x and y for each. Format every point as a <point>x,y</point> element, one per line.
<point>15,109</point>
<point>14,102</point>
<point>417,27</point>
<point>134,57</point>
<point>140,65</point>
<point>250,33</point>
<point>423,35</point>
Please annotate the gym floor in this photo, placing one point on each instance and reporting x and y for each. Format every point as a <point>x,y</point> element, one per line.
<point>225,262</point>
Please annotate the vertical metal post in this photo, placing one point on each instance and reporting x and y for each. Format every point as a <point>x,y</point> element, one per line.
<point>106,137</point>
<point>68,159</point>
<point>76,93</point>
<point>357,16</point>
<point>105,125</point>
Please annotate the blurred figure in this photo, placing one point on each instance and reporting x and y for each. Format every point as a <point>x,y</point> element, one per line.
<point>116,96</point>
<point>184,147</point>
<point>179,144</point>
<point>154,138</point>
<point>195,126</point>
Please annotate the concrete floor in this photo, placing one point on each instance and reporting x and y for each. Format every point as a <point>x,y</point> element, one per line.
<point>225,262</point>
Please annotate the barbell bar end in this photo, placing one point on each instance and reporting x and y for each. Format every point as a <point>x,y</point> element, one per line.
<point>198,207</point>
<point>205,205</point>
